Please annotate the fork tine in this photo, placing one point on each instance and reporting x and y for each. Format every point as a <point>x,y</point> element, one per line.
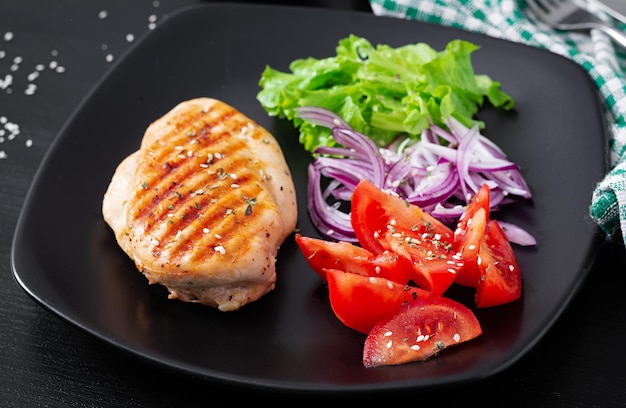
<point>537,7</point>
<point>571,15</point>
<point>551,11</point>
<point>546,5</point>
<point>557,3</point>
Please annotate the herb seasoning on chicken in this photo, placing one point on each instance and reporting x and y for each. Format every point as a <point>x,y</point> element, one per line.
<point>204,205</point>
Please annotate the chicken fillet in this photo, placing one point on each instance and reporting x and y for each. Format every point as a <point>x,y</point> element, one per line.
<point>204,205</point>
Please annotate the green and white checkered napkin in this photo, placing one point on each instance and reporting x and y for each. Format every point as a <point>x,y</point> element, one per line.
<point>606,64</point>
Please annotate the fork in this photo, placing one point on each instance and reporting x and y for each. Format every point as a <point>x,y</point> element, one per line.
<point>570,15</point>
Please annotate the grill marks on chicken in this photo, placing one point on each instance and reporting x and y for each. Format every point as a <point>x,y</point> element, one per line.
<point>204,205</point>
<point>196,178</point>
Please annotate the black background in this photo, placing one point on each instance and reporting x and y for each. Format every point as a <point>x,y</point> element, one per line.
<point>47,362</point>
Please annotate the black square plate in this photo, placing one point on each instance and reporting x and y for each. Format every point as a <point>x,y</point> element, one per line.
<point>66,257</point>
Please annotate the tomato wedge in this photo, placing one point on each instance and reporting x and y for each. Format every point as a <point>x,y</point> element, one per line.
<point>359,301</point>
<point>345,256</point>
<point>500,277</point>
<point>383,221</point>
<point>419,330</point>
<point>468,236</point>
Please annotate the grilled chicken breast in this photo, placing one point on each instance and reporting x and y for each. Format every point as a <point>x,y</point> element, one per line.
<point>204,205</point>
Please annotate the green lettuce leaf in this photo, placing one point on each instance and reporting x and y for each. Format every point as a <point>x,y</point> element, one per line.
<point>381,91</point>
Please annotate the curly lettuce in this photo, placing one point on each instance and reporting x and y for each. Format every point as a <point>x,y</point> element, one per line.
<point>381,91</point>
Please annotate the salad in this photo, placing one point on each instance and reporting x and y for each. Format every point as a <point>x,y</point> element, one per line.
<point>403,118</point>
<point>381,91</point>
<point>402,186</point>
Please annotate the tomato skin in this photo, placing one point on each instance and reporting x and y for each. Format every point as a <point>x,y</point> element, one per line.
<point>500,277</point>
<point>390,266</point>
<point>468,236</point>
<point>369,215</point>
<point>321,254</point>
<point>386,222</point>
<point>359,301</point>
<point>435,267</point>
<point>345,256</point>
<point>418,331</point>
<point>374,211</point>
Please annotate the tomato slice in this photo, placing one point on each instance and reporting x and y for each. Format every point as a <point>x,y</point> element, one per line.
<point>383,221</point>
<point>468,236</point>
<point>345,256</point>
<point>390,266</point>
<point>500,277</point>
<point>435,266</point>
<point>361,301</point>
<point>418,331</point>
<point>374,212</point>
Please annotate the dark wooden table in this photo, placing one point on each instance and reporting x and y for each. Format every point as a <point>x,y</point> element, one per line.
<point>47,362</point>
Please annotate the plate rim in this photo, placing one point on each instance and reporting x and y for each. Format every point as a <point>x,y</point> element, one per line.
<point>237,380</point>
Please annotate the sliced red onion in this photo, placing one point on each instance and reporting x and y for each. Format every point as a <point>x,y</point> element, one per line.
<point>321,117</point>
<point>440,178</point>
<point>517,235</point>
<point>328,219</point>
<point>447,212</point>
<point>435,189</point>
<point>462,162</point>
